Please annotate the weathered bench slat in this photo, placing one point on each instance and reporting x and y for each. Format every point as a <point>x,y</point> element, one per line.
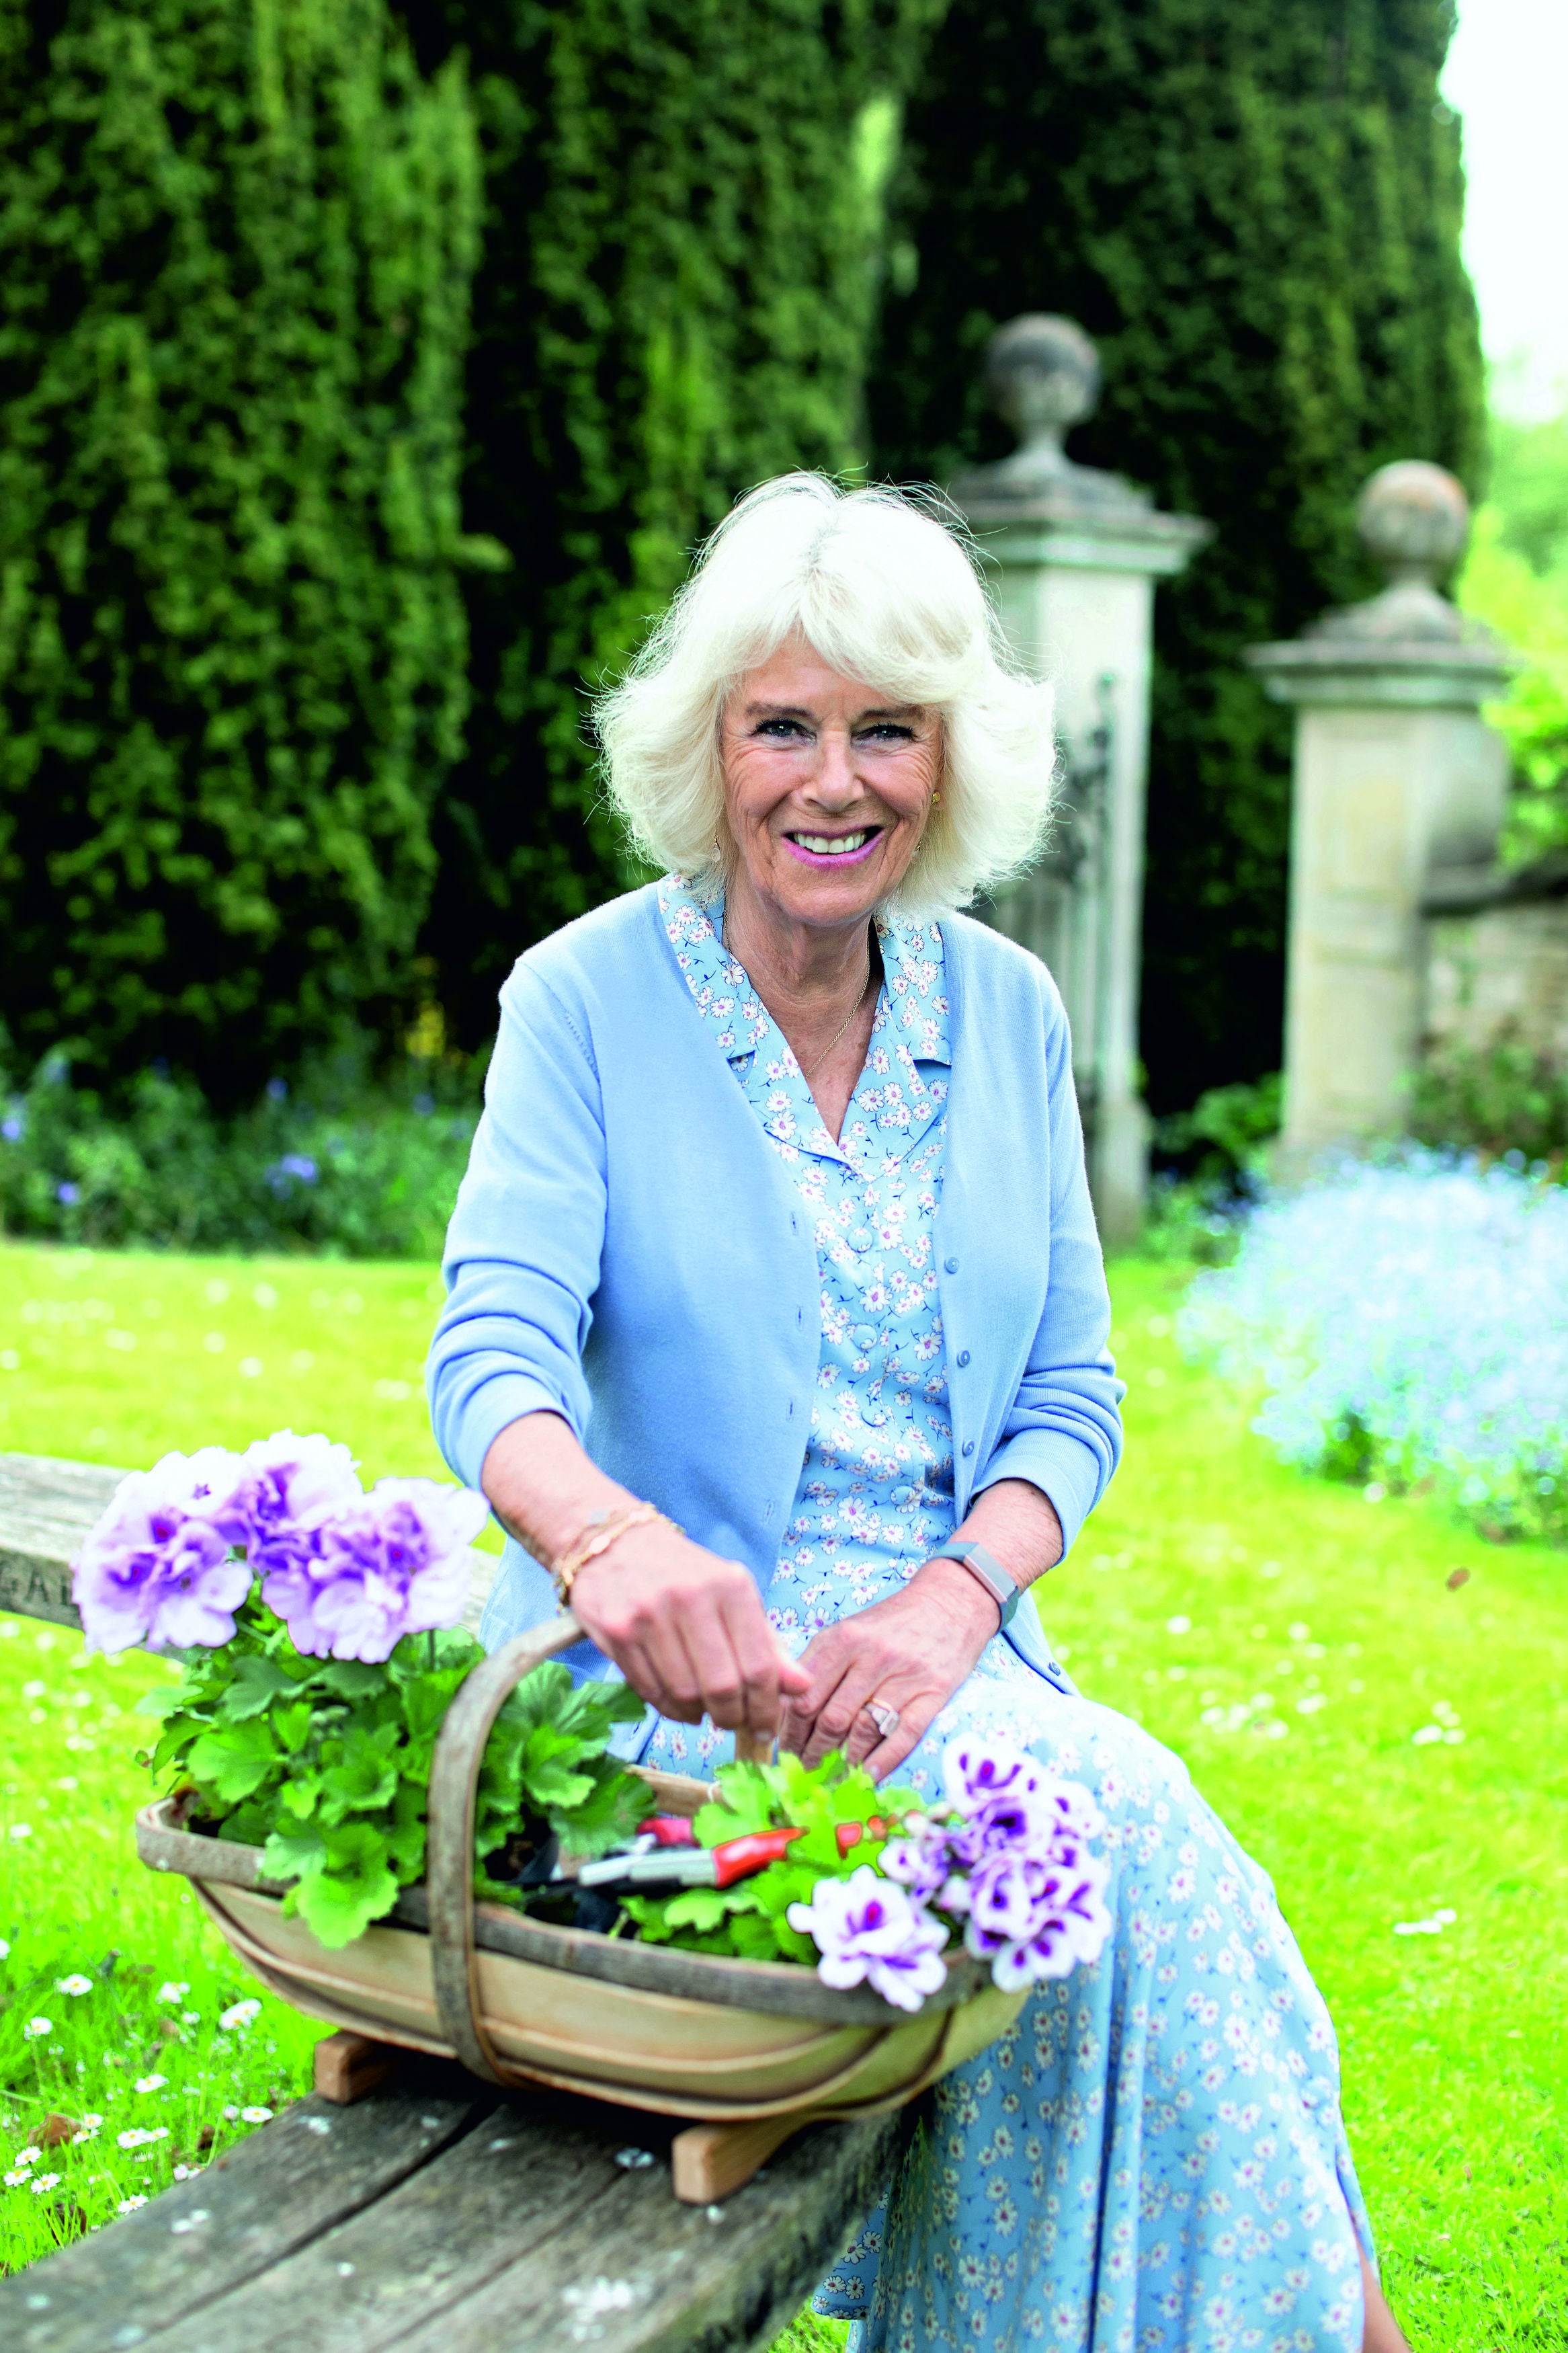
<point>432,2222</point>
<point>47,1507</point>
<point>416,2251</point>
<point>275,2191</point>
<point>635,2273</point>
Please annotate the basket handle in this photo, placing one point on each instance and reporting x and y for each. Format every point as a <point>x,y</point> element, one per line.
<point>449,1848</point>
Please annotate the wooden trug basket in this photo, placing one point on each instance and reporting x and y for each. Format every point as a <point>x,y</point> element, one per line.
<point>751,2050</point>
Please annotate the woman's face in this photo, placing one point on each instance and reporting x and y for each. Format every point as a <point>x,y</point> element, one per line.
<point>827,787</point>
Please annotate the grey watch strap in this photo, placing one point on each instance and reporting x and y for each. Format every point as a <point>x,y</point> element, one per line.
<point>1004,1590</point>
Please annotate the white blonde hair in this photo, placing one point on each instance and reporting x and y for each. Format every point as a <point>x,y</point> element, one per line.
<point>884,594</point>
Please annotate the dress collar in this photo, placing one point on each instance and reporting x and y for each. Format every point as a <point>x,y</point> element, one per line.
<point>895,1100</point>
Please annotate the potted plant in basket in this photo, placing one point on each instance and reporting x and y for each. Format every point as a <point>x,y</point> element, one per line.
<point>442,1850</point>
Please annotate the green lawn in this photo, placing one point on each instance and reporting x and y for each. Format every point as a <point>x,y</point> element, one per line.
<point>1317,1632</point>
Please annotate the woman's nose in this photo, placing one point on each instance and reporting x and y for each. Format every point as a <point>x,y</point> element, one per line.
<point>835,779</point>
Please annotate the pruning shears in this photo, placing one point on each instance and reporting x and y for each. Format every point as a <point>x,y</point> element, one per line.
<point>666,1854</point>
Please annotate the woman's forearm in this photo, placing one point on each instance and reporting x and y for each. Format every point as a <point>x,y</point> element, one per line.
<point>544,1487</point>
<point>1018,1523</point>
<point>685,1627</point>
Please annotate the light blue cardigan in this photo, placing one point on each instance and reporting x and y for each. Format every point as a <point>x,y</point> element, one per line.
<point>628,1251</point>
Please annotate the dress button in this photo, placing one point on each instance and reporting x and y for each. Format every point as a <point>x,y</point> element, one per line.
<point>963,1356</point>
<point>952,1265</point>
<point>968,1446</point>
<point>864,1335</point>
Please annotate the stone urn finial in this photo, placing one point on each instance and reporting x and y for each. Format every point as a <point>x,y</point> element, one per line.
<point>1043,375</point>
<point>1413,520</point>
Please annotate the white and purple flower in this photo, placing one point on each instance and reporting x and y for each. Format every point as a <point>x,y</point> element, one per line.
<point>350,1573</point>
<point>869,1931</point>
<point>158,1569</point>
<point>1012,1859</point>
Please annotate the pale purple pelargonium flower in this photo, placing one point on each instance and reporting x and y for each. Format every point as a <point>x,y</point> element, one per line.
<point>1014,1861</point>
<point>922,1859</point>
<point>869,1931</point>
<point>1034,1916</point>
<point>393,1564</point>
<point>157,1568</point>
<point>288,1488</point>
<point>349,1573</point>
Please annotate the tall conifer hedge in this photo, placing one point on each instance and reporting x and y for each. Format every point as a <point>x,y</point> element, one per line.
<point>677,298</point>
<point>236,238</point>
<point>1255,209</point>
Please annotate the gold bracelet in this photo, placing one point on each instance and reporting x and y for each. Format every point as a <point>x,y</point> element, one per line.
<point>602,1531</point>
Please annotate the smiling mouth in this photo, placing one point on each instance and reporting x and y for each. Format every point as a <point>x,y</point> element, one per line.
<point>833,845</point>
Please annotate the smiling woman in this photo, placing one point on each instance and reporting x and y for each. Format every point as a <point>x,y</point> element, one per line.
<point>861,584</point>
<point>777,1336</point>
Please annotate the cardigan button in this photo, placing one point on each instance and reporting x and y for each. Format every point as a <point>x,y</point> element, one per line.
<point>968,1446</point>
<point>952,1265</point>
<point>963,1356</point>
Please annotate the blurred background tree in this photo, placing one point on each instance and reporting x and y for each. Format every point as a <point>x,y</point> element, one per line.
<point>236,238</point>
<point>679,291</point>
<point>1516,579</point>
<point>1256,211</point>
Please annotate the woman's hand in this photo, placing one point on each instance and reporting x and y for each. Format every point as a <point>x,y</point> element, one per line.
<point>912,1651</point>
<point>908,1652</point>
<point>688,1630</point>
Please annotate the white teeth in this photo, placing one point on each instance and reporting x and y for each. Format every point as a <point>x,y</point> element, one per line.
<point>824,847</point>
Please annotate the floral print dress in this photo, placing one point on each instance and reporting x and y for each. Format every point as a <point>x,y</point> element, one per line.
<point>1152,2160</point>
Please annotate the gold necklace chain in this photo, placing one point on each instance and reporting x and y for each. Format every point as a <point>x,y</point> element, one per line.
<point>854,1009</point>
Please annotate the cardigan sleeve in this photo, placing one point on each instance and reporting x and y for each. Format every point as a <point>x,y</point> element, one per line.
<point>521,1261</point>
<point>1063,1430</point>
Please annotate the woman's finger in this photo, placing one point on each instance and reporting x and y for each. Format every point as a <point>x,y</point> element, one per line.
<point>915,1720</point>
<point>766,1669</point>
<point>839,1715</point>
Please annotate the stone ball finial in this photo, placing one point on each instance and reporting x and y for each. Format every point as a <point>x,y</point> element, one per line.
<point>1413,520</point>
<point>1042,374</point>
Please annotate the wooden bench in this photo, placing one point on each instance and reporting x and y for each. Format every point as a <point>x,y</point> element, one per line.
<point>432,2213</point>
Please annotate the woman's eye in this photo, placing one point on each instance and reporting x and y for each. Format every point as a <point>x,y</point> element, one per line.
<point>887,730</point>
<point>788,728</point>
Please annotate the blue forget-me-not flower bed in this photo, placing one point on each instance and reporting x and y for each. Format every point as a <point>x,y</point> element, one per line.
<point>1408,1322</point>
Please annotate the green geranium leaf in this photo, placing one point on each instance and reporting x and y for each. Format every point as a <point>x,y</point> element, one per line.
<point>298,1796</point>
<point>618,1803</point>
<point>338,1908</point>
<point>349,1679</point>
<point>258,1682</point>
<point>362,1777</point>
<point>293,1854</point>
<point>293,1724</point>
<point>233,1759</point>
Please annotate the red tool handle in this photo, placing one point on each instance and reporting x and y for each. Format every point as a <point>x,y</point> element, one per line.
<point>738,1857</point>
<point>670,1829</point>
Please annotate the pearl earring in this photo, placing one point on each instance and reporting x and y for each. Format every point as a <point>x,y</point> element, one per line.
<point>936,798</point>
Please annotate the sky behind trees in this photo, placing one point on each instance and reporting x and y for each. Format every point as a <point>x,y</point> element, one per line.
<point>1506,75</point>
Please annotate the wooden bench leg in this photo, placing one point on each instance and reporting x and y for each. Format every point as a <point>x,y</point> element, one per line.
<point>709,2162</point>
<point>348,2066</point>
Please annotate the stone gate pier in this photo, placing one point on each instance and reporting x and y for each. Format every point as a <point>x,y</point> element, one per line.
<point>1074,555</point>
<point>1399,791</point>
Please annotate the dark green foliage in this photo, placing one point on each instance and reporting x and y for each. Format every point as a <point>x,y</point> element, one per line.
<point>328,1164</point>
<point>1505,1098</point>
<point>1256,213</point>
<point>1223,1141</point>
<point>675,300</point>
<point>235,243</point>
<point>325,1763</point>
